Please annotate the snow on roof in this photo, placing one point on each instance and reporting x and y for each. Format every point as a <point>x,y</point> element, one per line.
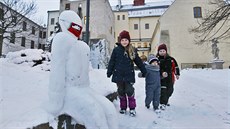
<point>129,7</point>
<point>149,9</point>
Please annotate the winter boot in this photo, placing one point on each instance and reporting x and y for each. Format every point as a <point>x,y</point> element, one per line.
<point>132,112</point>
<point>147,106</point>
<point>162,106</point>
<point>157,110</point>
<point>122,111</point>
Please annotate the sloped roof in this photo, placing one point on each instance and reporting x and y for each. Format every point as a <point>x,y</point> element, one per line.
<point>151,5</point>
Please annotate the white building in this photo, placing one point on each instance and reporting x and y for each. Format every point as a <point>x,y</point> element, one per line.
<point>26,34</point>
<point>51,22</point>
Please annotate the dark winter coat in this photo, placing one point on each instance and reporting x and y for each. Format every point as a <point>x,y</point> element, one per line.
<point>122,67</point>
<point>168,64</point>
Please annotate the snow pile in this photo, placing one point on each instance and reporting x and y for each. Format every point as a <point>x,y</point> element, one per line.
<point>31,57</point>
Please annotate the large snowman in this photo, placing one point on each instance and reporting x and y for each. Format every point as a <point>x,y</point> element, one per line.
<point>69,90</point>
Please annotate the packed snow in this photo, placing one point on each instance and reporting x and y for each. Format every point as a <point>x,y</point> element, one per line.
<point>200,99</point>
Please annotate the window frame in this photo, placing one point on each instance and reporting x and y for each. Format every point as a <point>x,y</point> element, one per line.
<point>52,20</point>
<point>33,30</point>
<point>135,27</point>
<point>147,26</point>
<point>23,42</point>
<point>24,26</point>
<point>118,17</point>
<point>67,6</point>
<point>123,17</point>
<point>197,12</point>
<point>32,44</point>
<point>12,37</point>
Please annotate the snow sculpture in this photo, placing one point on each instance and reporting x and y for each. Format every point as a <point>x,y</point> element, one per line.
<point>69,90</point>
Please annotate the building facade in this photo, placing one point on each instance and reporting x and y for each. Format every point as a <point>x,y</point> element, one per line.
<point>173,30</point>
<point>140,20</point>
<point>101,21</point>
<point>52,21</point>
<point>26,34</point>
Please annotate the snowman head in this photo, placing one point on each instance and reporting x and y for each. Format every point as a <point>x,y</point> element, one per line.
<point>70,22</point>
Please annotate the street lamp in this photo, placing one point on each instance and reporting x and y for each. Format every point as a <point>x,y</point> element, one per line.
<point>87,21</point>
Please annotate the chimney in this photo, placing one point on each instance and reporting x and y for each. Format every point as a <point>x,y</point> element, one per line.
<point>138,2</point>
<point>119,4</point>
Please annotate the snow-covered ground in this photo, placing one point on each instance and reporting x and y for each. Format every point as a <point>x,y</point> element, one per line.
<point>201,99</point>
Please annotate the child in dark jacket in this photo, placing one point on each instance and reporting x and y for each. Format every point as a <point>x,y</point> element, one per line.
<point>170,69</point>
<point>122,68</point>
<point>152,83</point>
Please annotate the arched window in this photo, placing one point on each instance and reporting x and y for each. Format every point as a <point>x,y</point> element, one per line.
<point>197,12</point>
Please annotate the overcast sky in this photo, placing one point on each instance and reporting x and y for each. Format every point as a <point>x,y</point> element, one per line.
<point>47,5</point>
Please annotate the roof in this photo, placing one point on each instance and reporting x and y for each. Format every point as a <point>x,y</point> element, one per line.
<point>151,5</point>
<point>149,9</point>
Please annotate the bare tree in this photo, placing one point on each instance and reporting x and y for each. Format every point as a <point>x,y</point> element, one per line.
<point>12,13</point>
<point>215,24</point>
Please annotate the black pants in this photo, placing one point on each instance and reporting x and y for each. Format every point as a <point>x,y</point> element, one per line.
<point>125,88</point>
<point>166,93</point>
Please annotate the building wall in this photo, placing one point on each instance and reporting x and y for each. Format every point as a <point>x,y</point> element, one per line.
<point>141,37</point>
<point>38,38</point>
<point>51,26</point>
<point>101,18</point>
<point>174,31</point>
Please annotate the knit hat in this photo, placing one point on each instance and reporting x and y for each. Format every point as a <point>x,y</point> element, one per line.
<point>162,46</point>
<point>152,58</point>
<point>124,34</point>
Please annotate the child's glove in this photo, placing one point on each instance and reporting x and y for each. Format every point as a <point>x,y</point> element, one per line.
<point>164,74</point>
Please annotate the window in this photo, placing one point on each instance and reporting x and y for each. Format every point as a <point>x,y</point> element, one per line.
<point>39,46</point>
<point>146,26</point>
<point>40,34</point>
<point>32,44</point>
<point>118,17</point>
<point>52,21</point>
<point>197,12</point>
<point>1,14</point>
<point>44,35</point>
<point>135,26</point>
<point>12,37</point>
<point>24,24</point>
<point>67,6</point>
<point>33,30</point>
<point>111,30</point>
<point>23,43</point>
<point>123,17</point>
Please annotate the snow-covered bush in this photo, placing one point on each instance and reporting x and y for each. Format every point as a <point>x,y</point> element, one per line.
<point>31,57</point>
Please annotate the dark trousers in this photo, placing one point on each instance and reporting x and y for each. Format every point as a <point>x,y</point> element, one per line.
<point>166,93</point>
<point>126,91</point>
